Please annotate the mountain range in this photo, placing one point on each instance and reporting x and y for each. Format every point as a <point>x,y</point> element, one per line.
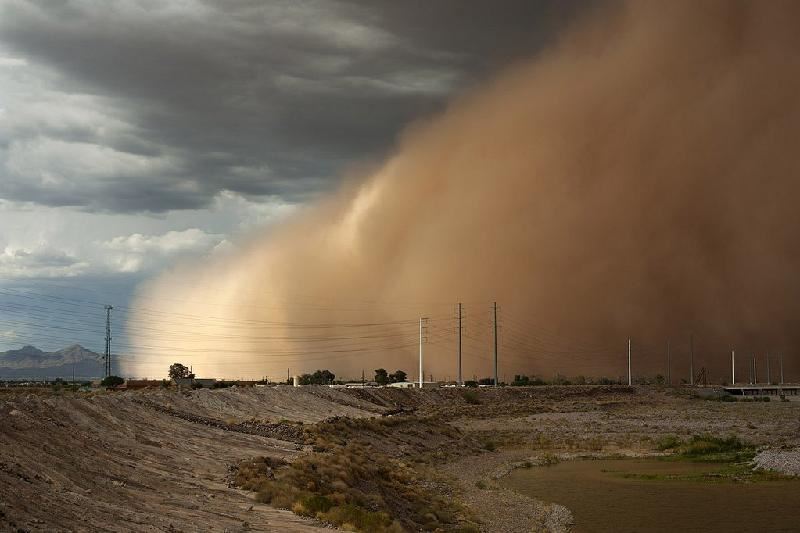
<point>31,362</point>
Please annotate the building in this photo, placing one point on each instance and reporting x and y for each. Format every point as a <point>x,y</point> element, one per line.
<point>195,383</point>
<point>145,383</point>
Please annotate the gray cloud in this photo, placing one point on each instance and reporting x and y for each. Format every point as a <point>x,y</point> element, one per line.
<point>154,106</point>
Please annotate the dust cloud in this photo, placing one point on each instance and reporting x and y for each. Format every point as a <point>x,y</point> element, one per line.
<point>639,178</point>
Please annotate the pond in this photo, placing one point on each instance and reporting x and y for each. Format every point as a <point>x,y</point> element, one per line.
<point>626,495</point>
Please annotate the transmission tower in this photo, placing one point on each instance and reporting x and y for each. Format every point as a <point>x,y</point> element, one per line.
<point>107,357</point>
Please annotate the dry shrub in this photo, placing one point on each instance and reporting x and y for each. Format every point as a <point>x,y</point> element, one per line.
<point>351,483</point>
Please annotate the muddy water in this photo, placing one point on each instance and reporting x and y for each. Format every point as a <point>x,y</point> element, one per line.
<point>601,499</point>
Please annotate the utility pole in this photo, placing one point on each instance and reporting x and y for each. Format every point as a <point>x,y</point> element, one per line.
<point>460,379</point>
<point>108,341</point>
<point>691,359</point>
<point>780,356</point>
<point>362,377</point>
<point>769,374</point>
<point>421,329</point>
<point>755,370</point>
<point>733,367</point>
<point>669,365</point>
<point>494,307</point>
<point>630,381</point>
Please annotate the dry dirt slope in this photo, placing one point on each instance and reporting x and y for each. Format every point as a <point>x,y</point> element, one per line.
<point>132,462</point>
<point>158,460</point>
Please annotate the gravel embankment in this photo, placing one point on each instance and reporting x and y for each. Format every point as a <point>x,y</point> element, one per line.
<point>785,461</point>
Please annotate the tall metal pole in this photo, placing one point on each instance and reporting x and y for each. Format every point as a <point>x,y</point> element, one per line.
<point>691,359</point>
<point>769,374</point>
<point>755,370</point>
<point>460,379</point>
<point>630,380</point>
<point>495,343</point>
<point>108,341</point>
<point>669,365</point>
<point>733,367</point>
<point>421,375</point>
<point>781,361</point>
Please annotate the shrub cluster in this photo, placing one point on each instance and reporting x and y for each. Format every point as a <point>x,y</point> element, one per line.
<point>708,448</point>
<point>347,481</point>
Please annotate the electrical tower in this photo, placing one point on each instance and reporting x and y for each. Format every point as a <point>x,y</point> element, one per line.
<point>107,357</point>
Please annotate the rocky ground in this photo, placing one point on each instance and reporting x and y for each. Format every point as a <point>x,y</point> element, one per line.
<point>161,460</point>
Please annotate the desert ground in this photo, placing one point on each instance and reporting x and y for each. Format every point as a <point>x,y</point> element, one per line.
<point>170,460</point>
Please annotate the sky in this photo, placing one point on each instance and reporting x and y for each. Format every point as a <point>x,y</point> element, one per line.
<point>139,134</point>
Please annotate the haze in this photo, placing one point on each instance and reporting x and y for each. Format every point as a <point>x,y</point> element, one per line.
<point>638,179</point>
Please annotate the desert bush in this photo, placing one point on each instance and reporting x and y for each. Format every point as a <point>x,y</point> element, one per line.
<point>351,482</point>
<point>471,397</point>
<point>668,442</point>
<point>112,381</point>
<point>357,518</point>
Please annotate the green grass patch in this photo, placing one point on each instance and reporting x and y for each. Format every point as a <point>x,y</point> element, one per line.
<point>710,449</point>
<point>730,473</point>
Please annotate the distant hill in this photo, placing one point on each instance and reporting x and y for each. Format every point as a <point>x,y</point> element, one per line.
<point>31,362</point>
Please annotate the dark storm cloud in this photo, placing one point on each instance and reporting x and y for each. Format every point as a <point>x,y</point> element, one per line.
<point>185,100</point>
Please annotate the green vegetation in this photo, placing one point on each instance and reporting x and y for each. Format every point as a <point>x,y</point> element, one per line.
<point>179,371</point>
<point>319,377</point>
<point>355,479</point>
<point>521,380</point>
<point>382,377</point>
<point>471,397</point>
<point>709,449</point>
<point>112,381</point>
<point>731,455</point>
<point>755,399</point>
<point>668,442</point>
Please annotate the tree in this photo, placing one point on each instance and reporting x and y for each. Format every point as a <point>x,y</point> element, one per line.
<point>398,377</point>
<point>112,381</point>
<point>381,376</point>
<point>323,377</point>
<point>520,380</point>
<point>319,377</point>
<point>179,371</point>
